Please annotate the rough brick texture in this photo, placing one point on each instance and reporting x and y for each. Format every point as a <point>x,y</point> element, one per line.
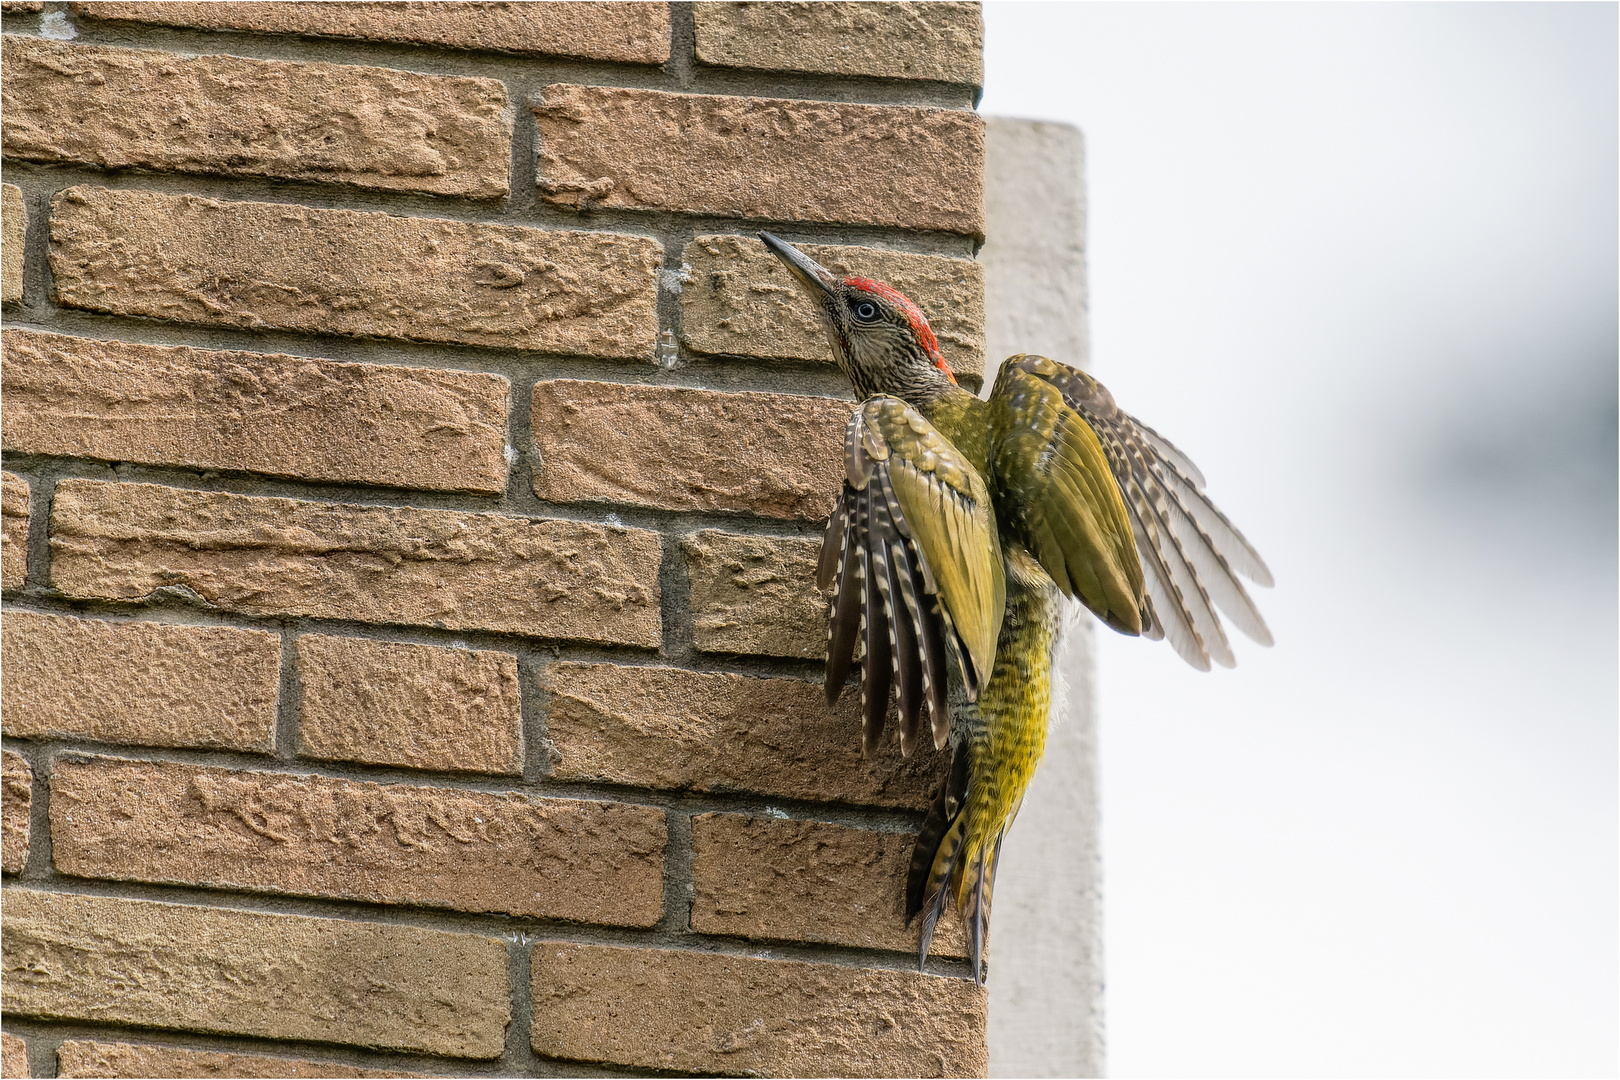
<point>656,446</point>
<point>16,799</point>
<point>13,231</point>
<point>739,301</point>
<point>385,844</point>
<point>138,682</point>
<point>689,1011</point>
<point>791,160</point>
<point>13,1056</point>
<point>560,579</point>
<point>353,411</point>
<point>82,1058</point>
<point>689,731</point>
<point>329,123</point>
<point>807,881</point>
<point>417,706</point>
<point>755,594</point>
<point>282,415</point>
<point>635,33</point>
<point>241,972</point>
<point>13,527</point>
<point>268,265</point>
<point>893,40</point>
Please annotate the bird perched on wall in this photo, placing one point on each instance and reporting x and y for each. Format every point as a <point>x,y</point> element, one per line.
<point>965,530</point>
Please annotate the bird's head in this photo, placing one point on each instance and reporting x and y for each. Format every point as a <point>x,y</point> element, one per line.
<point>880,339</point>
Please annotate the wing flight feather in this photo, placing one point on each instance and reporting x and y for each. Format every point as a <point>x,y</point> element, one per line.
<point>1191,553</point>
<point>1055,491</point>
<point>912,553</point>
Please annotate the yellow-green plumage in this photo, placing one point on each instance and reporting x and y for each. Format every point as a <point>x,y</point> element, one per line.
<point>962,526</point>
<point>1002,739</point>
<point>1063,531</point>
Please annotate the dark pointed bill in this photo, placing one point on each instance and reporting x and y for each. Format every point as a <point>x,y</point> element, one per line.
<point>816,279</point>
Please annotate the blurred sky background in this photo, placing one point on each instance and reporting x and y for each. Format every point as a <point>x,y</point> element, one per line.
<point>1360,262</point>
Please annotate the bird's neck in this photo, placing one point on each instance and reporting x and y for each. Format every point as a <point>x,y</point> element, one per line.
<point>960,415</point>
<point>895,363</point>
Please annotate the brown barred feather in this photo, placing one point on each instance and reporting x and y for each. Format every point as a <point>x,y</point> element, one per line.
<point>877,664</point>
<point>844,619</point>
<point>887,606</point>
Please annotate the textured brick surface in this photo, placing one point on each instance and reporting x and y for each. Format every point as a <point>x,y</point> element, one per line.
<point>16,798</point>
<point>709,1013</point>
<point>13,1051</point>
<point>777,455</point>
<point>283,415</point>
<point>81,1058</point>
<point>685,730</point>
<point>385,844</point>
<point>418,706</point>
<point>806,881</point>
<point>904,40</point>
<point>330,123</point>
<point>149,683</point>
<point>762,158</point>
<point>13,231</point>
<point>634,33</point>
<point>267,265</point>
<point>755,594</point>
<point>251,973</point>
<point>740,301</point>
<point>13,529</point>
<point>561,579</point>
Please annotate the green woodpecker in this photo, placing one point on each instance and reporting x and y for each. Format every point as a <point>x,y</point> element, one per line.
<point>965,529</point>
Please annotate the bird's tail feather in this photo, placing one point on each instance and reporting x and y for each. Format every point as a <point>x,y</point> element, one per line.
<point>940,868</point>
<point>942,814</point>
<point>976,904</point>
<point>944,872</point>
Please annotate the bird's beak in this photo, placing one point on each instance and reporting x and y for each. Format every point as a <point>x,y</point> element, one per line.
<point>816,279</point>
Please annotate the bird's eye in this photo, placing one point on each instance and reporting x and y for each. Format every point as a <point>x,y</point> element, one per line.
<point>866,311</point>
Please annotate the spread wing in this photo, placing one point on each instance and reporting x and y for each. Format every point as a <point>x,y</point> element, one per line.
<point>1055,492</point>
<point>1191,553</point>
<point>913,547</point>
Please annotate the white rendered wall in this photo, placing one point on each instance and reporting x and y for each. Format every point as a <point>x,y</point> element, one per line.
<point>1046,980</point>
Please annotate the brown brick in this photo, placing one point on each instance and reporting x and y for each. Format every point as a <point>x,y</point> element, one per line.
<point>115,961</point>
<point>787,160</point>
<point>13,234</point>
<point>82,1058</point>
<point>383,844</point>
<point>13,528</point>
<point>16,799</point>
<point>739,301</point>
<point>685,730</point>
<point>139,682</point>
<point>282,415</point>
<point>329,123</point>
<point>633,33</point>
<point>906,40</point>
<point>778,455</point>
<point>13,1051</point>
<point>419,706</point>
<point>396,565</point>
<point>273,266</point>
<point>712,1013</point>
<point>807,881</point>
<point>755,594</point>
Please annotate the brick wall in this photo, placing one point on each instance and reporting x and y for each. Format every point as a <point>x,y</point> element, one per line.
<point>412,472</point>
